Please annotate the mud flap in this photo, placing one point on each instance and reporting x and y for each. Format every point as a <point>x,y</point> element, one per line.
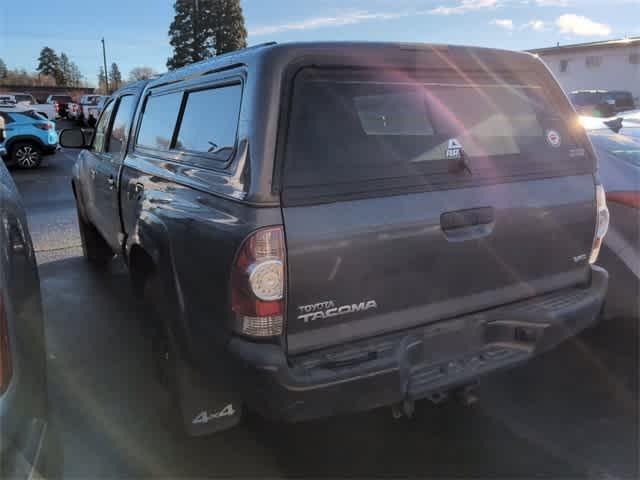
<point>205,407</point>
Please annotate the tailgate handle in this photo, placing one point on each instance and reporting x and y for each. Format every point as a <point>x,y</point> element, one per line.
<point>467,224</point>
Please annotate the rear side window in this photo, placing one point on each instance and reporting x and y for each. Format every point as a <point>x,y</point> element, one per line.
<point>210,122</point>
<point>101,129</point>
<point>159,121</point>
<point>32,115</point>
<point>207,126</point>
<point>348,127</point>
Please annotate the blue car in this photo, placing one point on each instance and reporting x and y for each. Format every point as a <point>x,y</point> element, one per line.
<point>28,137</point>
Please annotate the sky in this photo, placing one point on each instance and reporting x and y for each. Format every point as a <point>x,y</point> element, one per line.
<point>136,31</point>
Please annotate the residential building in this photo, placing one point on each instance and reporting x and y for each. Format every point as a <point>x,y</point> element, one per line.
<point>606,65</point>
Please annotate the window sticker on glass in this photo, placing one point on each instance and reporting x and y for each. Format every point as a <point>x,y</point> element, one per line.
<point>454,149</point>
<point>553,138</point>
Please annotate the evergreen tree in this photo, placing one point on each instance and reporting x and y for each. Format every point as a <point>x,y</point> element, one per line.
<point>202,28</point>
<point>115,77</point>
<point>191,38</point>
<point>63,76</point>
<point>3,70</point>
<point>48,62</point>
<point>227,25</point>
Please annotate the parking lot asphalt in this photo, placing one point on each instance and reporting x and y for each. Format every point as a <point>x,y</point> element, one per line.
<point>570,413</point>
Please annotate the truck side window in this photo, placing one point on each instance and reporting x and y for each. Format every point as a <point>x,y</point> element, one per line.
<point>210,122</point>
<point>121,123</point>
<point>159,121</point>
<point>101,129</point>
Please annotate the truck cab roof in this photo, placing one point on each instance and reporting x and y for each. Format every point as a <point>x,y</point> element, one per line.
<point>352,53</point>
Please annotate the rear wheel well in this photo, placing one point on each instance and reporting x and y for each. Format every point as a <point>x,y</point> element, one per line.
<point>141,267</point>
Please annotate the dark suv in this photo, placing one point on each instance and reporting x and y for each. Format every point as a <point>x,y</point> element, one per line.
<point>332,227</point>
<point>601,103</point>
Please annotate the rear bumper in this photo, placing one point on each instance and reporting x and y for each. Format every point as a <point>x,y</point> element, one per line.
<point>50,149</point>
<point>411,364</point>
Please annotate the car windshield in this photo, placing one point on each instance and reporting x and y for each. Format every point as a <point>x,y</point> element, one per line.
<point>62,99</point>
<point>24,98</point>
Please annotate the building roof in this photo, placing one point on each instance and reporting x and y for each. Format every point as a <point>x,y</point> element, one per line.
<point>622,42</point>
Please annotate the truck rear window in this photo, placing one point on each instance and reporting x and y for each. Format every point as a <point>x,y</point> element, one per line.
<point>352,127</point>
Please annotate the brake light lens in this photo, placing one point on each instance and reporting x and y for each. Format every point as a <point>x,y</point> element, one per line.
<point>43,126</point>
<point>6,368</point>
<point>602,223</point>
<point>257,283</point>
<point>57,106</point>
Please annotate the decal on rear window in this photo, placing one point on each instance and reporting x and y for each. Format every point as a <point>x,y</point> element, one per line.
<point>553,138</point>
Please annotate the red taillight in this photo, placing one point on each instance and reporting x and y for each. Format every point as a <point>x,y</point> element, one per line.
<point>43,126</point>
<point>57,106</point>
<point>630,199</point>
<point>6,369</point>
<point>257,284</point>
<point>602,223</point>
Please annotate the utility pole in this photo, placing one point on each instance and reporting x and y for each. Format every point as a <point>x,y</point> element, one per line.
<point>195,24</point>
<point>106,73</point>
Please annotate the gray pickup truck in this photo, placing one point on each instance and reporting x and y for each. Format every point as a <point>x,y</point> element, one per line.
<point>332,227</point>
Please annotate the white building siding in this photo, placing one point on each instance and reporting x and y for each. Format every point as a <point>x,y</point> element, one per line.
<point>616,69</point>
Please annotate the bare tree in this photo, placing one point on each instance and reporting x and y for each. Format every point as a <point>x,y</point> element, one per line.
<point>141,73</point>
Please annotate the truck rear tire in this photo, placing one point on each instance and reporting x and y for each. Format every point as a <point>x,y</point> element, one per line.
<point>94,248</point>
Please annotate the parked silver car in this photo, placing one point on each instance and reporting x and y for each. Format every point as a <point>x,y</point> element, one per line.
<point>29,445</point>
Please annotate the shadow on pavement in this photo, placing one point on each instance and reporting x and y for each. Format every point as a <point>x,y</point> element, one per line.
<point>573,412</point>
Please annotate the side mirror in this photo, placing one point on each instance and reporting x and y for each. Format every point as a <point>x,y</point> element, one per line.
<point>73,138</point>
<point>615,125</point>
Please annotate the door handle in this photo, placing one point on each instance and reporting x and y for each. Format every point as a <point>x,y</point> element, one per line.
<point>466,218</point>
<point>466,225</point>
<point>135,191</point>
